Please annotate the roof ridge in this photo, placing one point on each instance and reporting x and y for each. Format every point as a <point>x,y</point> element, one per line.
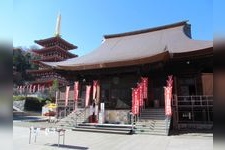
<point>147,30</point>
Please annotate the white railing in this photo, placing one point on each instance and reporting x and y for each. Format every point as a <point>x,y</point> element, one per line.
<point>193,109</point>
<point>194,100</point>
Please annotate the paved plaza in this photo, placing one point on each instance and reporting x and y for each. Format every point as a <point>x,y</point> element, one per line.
<point>104,141</point>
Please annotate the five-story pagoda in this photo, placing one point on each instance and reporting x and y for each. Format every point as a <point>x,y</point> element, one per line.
<point>54,49</point>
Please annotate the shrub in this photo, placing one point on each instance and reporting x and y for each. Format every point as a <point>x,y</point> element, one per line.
<point>34,104</point>
<point>18,98</point>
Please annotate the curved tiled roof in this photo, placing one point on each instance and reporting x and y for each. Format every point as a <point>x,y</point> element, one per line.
<point>137,47</point>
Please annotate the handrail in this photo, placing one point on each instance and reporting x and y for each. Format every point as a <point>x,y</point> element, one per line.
<point>77,114</point>
<point>65,113</point>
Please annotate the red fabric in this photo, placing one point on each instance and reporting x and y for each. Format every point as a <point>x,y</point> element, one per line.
<point>76,90</point>
<point>168,95</point>
<point>144,81</point>
<point>38,87</point>
<point>95,83</point>
<point>135,101</point>
<point>21,89</point>
<point>43,88</point>
<point>30,90</point>
<point>34,88</point>
<point>170,81</point>
<point>132,109</point>
<point>141,100</point>
<point>87,98</point>
<point>67,95</point>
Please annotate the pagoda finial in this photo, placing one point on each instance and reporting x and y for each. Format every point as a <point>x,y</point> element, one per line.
<point>58,25</point>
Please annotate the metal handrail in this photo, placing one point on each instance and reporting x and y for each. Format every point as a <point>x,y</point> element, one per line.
<point>79,114</point>
<point>194,100</point>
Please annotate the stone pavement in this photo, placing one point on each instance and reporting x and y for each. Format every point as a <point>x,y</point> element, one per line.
<point>103,141</point>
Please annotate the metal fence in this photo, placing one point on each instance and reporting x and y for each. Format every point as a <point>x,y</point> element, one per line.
<point>193,109</point>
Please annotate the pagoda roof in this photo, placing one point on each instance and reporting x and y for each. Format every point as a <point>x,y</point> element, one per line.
<point>47,81</point>
<point>53,48</point>
<point>44,82</point>
<point>58,39</point>
<point>46,70</point>
<point>49,59</point>
<point>139,47</point>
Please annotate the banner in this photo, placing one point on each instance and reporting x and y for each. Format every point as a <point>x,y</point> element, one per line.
<point>76,90</point>
<point>38,88</point>
<point>21,89</point>
<point>167,95</point>
<point>170,81</point>
<point>95,83</point>
<point>98,93</point>
<point>67,95</point>
<point>87,97</point>
<point>18,89</point>
<point>135,101</point>
<point>34,88</point>
<point>43,88</point>
<point>144,81</point>
<point>30,90</point>
<point>141,100</point>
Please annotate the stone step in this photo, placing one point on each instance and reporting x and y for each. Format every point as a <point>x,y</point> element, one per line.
<point>160,129</point>
<point>153,117</point>
<point>103,130</point>
<point>153,113</point>
<point>152,125</point>
<point>153,110</point>
<point>151,120</point>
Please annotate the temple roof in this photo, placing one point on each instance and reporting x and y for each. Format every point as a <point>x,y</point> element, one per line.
<point>57,39</point>
<point>139,47</point>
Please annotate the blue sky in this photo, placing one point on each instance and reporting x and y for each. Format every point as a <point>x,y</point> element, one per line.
<point>84,22</point>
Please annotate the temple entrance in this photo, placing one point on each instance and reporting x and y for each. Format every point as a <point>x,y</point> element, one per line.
<point>156,93</point>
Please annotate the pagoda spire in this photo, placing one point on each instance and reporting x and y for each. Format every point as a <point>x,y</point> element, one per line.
<point>58,25</point>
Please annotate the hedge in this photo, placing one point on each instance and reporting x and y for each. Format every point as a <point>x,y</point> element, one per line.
<point>34,104</point>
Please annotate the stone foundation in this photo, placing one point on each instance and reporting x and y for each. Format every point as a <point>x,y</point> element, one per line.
<point>19,104</point>
<point>117,116</point>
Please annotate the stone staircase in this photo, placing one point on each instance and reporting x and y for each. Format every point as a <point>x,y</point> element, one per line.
<point>153,121</point>
<point>104,128</point>
<point>74,118</point>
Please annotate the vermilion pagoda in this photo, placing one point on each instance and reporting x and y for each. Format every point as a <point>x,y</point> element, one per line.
<point>54,49</point>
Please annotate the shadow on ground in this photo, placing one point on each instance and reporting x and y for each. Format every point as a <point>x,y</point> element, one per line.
<point>26,116</point>
<point>69,146</point>
<point>205,133</point>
